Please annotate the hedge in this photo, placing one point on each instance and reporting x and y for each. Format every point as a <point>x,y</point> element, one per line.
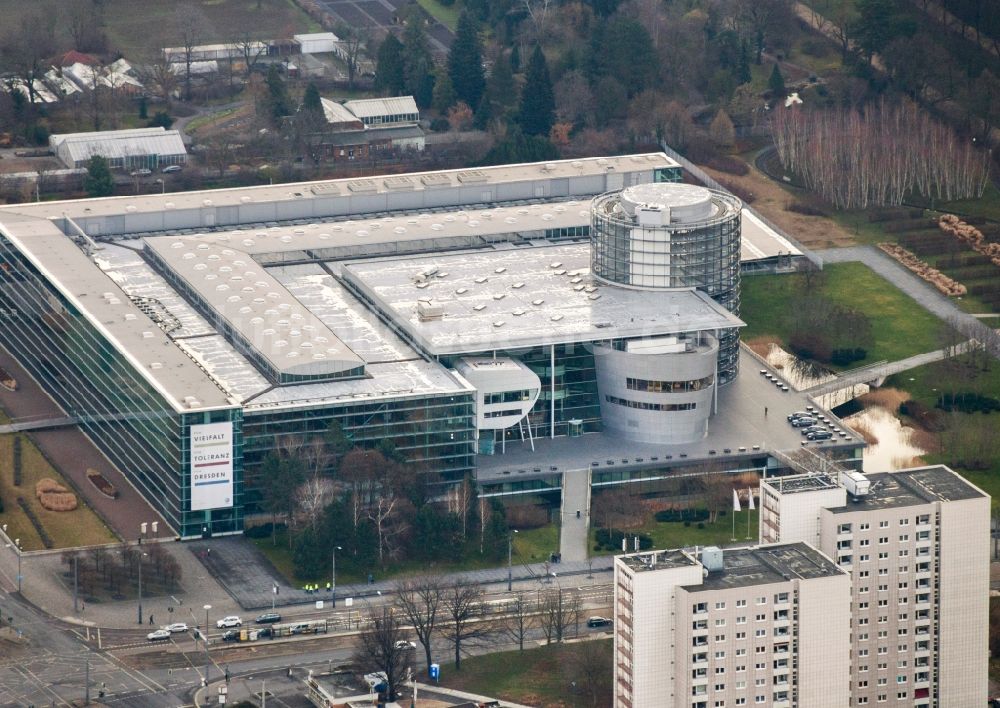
<point>682,515</point>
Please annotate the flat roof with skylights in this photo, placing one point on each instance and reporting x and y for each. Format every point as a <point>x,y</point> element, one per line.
<point>512,298</point>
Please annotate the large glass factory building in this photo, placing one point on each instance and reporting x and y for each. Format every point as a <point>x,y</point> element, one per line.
<point>450,312</point>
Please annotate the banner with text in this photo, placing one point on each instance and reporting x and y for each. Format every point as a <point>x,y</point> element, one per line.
<point>211,466</point>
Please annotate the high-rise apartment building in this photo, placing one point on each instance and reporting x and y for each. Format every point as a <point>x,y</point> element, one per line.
<point>765,626</point>
<point>916,543</point>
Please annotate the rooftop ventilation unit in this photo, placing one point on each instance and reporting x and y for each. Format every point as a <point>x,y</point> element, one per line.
<point>427,311</point>
<point>362,186</point>
<point>325,190</point>
<point>397,183</point>
<point>435,180</point>
<point>711,559</point>
<point>472,177</point>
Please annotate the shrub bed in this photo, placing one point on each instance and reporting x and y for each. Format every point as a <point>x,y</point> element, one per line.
<point>843,357</point>
<point>612,540</point>
<point>36,522</point>
<point>928,418</point>
<point>264,530</point>
<point>666,515</point>
<point>968,402</point>
<point>103,486</point>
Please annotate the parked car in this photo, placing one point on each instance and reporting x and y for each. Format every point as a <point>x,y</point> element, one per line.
<point>812,429</point>
<point>804,422</point>
<point>797,414</point>
<point>141,172</point>
<point>230,621</point>
<point>231,635</point>
<point>268,618</point>
<point>599,622</point>
<point>158,636</point>
<point>176,627</point>
<point>404,644</point>
<point>820,435</point>
<point>172,168</point>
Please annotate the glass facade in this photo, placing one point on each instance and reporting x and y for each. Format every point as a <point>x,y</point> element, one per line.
<point>121,412</point>
<point>433,433</point>
<point>704,254</point>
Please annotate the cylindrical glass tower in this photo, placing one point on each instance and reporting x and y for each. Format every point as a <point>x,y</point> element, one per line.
<point>665,235</point>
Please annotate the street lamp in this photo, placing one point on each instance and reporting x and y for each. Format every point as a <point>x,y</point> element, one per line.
<point>163,185</point>
<point>333,575</point>
<point>204,638</point>
<point>142,532</point>
<point>17,549</point>
<point>510,541</point>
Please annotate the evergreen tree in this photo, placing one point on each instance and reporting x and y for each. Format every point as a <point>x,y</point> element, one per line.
<point>417,62</point>
<point>500,95</point>
<point>465,62</point>
<point>518,147</point>
<point>311,101</point>
<point>389,75</point>
<point>743,75</point>
<point>99,182</point>
<point>777,83</point>
<point>444,93</point>
<point>538,105</point>
<point>279,105</point>
<point>515,59</point>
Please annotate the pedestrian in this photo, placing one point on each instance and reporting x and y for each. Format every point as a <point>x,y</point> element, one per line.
<point>765,411</point>
<point>151,619</point>
<point>208,551</point>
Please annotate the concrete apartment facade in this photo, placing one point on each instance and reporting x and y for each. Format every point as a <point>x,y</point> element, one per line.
<point>753,626</point>
<point>917,548</point>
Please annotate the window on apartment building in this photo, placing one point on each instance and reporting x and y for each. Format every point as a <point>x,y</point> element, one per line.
<point>882,697</point>
<point>882,666</point>
<point>781,597</point>
<point>741,652</point>
<point>863,589</point>
<point>741,620</point>
<point>883,681</point>
<point>864,543</point>
<point>719,687</point>
<point>923,519</point>
<point>862,700</point>
<point>700,607</point>
<point>760,682</point>
<point>903,616</point>
<point>862,605</point>
<point>882,651</point>
<point>760,666</point>
<point>901,695</point>
<point>864,558</point>
<point>883,588</point>
<point>741,669</point>
<point>883,634</point>
<point>862,684</point>
<point>760,650</point>
<point>862,621</point>
<point>864,526</point>
<point>741,701</point>
<point>862,652</point>
<point>863,637</point>
<point>902,678</point>
<point>719,670</point>
<point>903,552</point>
<point>863,668</point>
<point>901,664</point>
<point>864,573</point>
<point>923,535</point>
<point>882,555</point>
<point>884,602</point>
<point>720,622</point>
<point>719,704</point>
<point>761,600</point>
<point>720,605</point>
<point>883,571</point>
<point>902,600</point>
<point>883,524</point>
<point>903,585</point>
<point>760,699</point>
<point>760,618</point>
<point>904,522</point>
<point>882,619</point>
<point>844,528</point>
<point>904,537</point>
<point>720,637</point>
<point>741,635</point>
<point>901,647</point>
<point>903,632</point>
<point>741,603</point>
<point>720,655</point>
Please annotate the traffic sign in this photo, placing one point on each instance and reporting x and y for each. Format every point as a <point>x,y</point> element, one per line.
<point>435,671</point>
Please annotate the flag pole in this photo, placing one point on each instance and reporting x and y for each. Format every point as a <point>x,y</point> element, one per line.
<point>736,508</point>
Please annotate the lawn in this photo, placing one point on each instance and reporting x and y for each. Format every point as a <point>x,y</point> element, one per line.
<point>530,546</point>
<point>80,527</point>
<point>543,676</point>
<point>139,30</point>
<point>446,15</point>
<point>901,328</point>
<point>675,534</point>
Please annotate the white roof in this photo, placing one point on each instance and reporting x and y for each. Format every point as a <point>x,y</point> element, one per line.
<point>371,107</point>
<point>337,112</point>
<point>511,298</point>
<point>316,36</point>
<point>256,306</point>
<point>119,143</point>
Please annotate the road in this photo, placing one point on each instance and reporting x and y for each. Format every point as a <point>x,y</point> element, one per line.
<point>49,664</point>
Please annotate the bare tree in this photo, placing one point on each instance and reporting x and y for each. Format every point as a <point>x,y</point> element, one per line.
<point>192,26</point>
<point>519,620</point>
<point>420,600</point>
<point>28,44</point>
<point>251,47</point>
<point>379,647</point>
<point>558,611</point>
<point>465,620</point>
<point>352,42</point>
<point>590,668</point>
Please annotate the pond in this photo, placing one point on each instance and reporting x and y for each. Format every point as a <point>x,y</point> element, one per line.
<point>801,374</point>
<point>893,448</point>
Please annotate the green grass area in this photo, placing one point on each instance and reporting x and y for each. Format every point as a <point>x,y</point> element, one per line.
<point>553,675</point>
<point>79,527</point>
<point>445,14</point>
<point>530,546</point>
<point>139,35</point>
<point>900,327</point>
<point>675,534</point>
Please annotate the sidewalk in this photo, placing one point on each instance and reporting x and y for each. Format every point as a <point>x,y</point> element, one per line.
<point>248,576</point>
